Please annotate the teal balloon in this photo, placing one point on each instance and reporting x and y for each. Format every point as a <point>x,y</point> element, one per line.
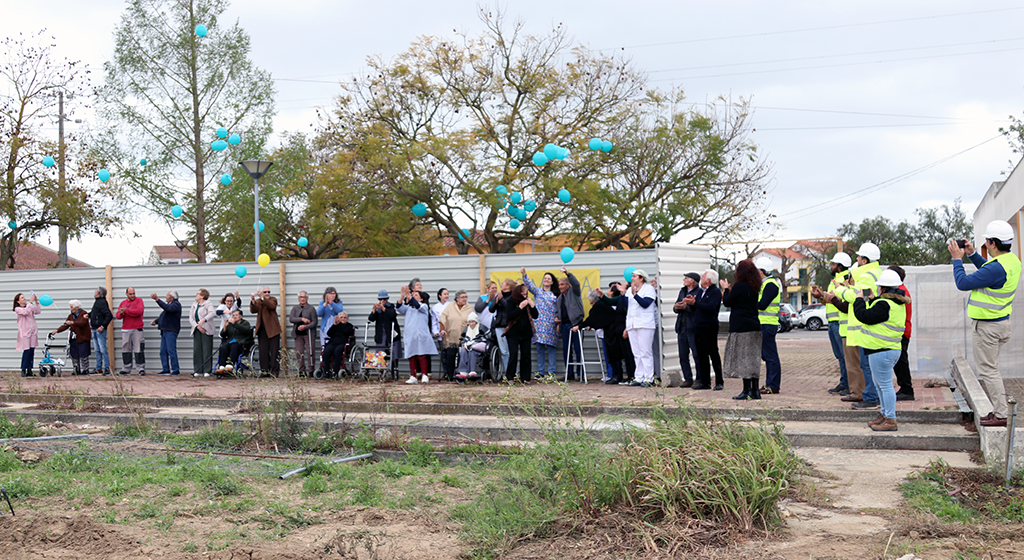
<point>176,211</point>
<point>521,213</point>
<point>12,224</point>
<point>49,161</point>
<point>303,242</point>
<point>218,145</point>
<point>567,254</point>
<point>595,144</point>
<point>143,162</point>
<point>551,151</point>
<point>513,223</point>
<point>562,153</point>
<point>234,139</point>
<point>201,30</point>
<point>259,226</point>
<point>465,233</point>
<point>104,175</point>
<point>530,205</point>
<point>45,300</point>
<point>513,211</point>
<point>241,271</point>
<point>517,198</point>
<point>501,189</point>
<point>628,273</point>
<point>225,179</point>
<point>539,159</point>
<point>565,196</point>
<point>606,146</point>
<point>419,209</point>
<point>222,132</point>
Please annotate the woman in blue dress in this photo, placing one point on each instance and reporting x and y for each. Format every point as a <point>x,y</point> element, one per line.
<point>419,343</point>
<point>329,307</point>
<point>546,336</point>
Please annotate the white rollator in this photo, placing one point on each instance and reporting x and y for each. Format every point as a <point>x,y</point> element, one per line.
<point>578,335</point>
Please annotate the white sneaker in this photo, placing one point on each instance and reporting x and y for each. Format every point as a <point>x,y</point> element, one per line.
<point>197,375</point>
<point>425,379</point>
<point>472,374</point>
<point>206,375</point>
<point>411,381</point>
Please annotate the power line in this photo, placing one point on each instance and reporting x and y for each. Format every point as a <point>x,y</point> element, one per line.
<point>842,199</point>
<point>807,29</point>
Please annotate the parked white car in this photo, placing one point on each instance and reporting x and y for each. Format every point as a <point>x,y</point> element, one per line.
<point>812,317</point>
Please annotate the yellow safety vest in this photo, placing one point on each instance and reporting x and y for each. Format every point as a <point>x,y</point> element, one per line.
<point>770,316</point>
<point>986,304</point>
<point>864,278</point>
<point>887,335</point>
<point>832,313</point>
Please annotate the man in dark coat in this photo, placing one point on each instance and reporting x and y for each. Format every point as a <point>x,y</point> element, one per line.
<point>686,325</point>
<point>707,302</point>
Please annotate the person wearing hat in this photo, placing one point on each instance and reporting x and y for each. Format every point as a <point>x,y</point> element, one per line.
<point>100,318</point>
<point>686,324</point>
<point>863,279</point>
<point>471,348</point>
<point>641,323</point>
<point>883,320</point>
<point>386,332</point>
<point>769,306</point>
<point>990,304</point>
<point>836,314</point>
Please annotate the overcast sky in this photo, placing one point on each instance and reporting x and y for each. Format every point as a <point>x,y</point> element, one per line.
<point>895,105</point>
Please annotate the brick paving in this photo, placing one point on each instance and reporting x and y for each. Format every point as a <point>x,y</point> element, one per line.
<point>808,371</point>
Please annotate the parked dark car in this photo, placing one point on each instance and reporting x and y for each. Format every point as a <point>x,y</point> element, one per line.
<point>786,316</point>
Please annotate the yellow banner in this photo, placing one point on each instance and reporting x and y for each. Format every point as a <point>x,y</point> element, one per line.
<point>589,279</point>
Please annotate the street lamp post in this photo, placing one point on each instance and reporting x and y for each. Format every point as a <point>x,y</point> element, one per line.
<point>256,169</point>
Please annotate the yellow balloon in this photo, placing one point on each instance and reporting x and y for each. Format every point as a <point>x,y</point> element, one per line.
<point>264,259</point>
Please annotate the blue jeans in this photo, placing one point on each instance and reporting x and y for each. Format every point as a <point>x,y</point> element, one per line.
<point>870,393</point>
<point>574,371</point>
<point>502,345</point>
<point>169,351</point>
<point>837,350</point>
<point>99,345</point>
<point>882,364</point>
<point>687,340</point>
<point>770,355</point>
<point>547,356</point>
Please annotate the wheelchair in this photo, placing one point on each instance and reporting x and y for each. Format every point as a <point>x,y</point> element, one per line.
<point>248,362</point>
<point>489,365</point>
<point>346,366</point>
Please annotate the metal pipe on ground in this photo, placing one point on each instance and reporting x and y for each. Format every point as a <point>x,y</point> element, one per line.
<point>341,460</point>
<point>1011,427</point>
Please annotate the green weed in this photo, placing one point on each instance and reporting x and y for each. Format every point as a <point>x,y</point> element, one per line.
<point>20,428</point>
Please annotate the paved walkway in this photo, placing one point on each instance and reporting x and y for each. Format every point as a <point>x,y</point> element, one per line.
<point>808,370</point>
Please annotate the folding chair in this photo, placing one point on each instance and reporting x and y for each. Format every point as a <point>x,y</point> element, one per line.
<point>582,359</point>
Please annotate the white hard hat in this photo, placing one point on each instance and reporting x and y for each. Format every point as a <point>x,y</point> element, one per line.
<point>843,259</point>
<point>870,251</point>
<point>998,229</point>
<point>764,263</point>
<point>889,278</point>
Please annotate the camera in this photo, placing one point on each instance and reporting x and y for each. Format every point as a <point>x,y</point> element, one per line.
<point>962,243</point>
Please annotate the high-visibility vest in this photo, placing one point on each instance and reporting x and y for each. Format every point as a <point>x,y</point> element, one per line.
<point>832,313</point>
<point>887,335</point>
<point>770,316</point>
<point>864,278</point>
<point>986,304</point>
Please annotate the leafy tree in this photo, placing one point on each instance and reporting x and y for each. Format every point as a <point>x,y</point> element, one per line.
<point>448,121</point>
<point>304,196</point>
<point>909,244</point>
<point>166,93</point>
<point>29,192</point>
<point>936,226</point>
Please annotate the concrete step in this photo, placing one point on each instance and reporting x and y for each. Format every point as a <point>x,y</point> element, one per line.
<point>489,428</point>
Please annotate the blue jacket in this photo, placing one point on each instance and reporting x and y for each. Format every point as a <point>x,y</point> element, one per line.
<point>170,318</point>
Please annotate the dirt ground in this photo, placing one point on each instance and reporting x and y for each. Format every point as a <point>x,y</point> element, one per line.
<point>851,517</point>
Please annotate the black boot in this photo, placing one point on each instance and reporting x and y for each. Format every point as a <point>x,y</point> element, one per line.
<point>746,391</point>
<point>24,373</point>
<point>755,393</point>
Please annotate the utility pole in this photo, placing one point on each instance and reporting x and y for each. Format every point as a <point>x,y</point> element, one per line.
<point>62,231</point>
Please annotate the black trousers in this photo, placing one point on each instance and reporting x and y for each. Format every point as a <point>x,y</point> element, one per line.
<point>229,351</point>
<point>708,356</point>
<point>522,348</point>
<point>902,370</point>
<point>270,352</point>
<point>334,357</point>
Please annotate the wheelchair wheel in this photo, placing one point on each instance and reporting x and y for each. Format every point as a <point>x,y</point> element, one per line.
<point>496,364</point>
<point>354,361</point>
<point>254,360</point>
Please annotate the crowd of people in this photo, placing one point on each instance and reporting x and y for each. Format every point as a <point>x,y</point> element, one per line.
<point>868,309</point>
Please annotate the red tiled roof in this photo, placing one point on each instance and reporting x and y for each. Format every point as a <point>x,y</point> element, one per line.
<point>32,256</point>
<point>784,253</point>
<point>818,245</point>
<point>171,252</point>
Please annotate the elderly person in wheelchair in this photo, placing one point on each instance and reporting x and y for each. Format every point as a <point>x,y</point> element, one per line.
<point>237,337</point>
<point>472,346</point>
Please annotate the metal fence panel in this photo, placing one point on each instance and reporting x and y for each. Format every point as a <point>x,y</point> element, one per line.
<point>674,261</point>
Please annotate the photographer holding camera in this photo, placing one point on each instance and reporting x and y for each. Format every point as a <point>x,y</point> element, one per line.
<point>992,289</point>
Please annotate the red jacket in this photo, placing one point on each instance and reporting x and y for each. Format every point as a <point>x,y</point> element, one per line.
<point>909,306</point>
<point>130,313</point>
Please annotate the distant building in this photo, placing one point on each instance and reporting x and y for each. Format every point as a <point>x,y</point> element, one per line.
<point>170,254</point>
<point>1004,200</point>
<point>32,256</point>
<point>794,264</point>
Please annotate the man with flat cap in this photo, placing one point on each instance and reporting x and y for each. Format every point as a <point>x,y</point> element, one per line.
<point>686,324</point>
